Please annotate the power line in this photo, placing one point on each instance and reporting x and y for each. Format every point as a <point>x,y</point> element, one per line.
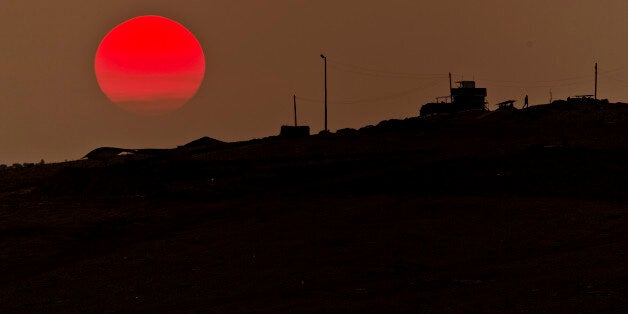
<point>388,97</point>
<point>357,69</point>
<point>616,80</point>
<point>432,79</point>
<point>568,83</point>
<point>308,99</point>
<point>366,71</point>
<point>375,99</point>
<point>616,75</point>
<point>619,70</point>
<point>575,78</point>
<point>378,75</point>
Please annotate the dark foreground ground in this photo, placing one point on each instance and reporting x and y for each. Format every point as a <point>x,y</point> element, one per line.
<point>500,212</point>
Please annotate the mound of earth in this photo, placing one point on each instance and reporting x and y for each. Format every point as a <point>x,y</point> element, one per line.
<point>205,142</point>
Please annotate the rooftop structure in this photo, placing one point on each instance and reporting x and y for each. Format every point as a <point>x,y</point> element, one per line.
<point>466,96</point>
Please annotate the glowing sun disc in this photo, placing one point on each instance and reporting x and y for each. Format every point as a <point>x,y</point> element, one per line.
<point>149,65</point>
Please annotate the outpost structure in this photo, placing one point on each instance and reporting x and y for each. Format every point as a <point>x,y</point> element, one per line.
<point>464,97</point>
<point>296,130</point>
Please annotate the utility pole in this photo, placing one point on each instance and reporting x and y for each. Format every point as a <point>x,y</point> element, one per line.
<point>451,97</point>
<point>294,99</point>
<point>325,74</point>
<point>595,93</point>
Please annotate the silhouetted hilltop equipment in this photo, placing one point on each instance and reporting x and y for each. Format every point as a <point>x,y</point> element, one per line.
<point>294,131</point>
<point>107,153</point>
<point>506,105</point>
<point>464,97</point>
<point>579,101</point>
<point>586,99</point>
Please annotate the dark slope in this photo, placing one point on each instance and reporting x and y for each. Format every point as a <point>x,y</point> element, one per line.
<point>493,212</point>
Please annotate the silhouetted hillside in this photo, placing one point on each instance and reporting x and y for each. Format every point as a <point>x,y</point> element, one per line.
<point>503,211</point>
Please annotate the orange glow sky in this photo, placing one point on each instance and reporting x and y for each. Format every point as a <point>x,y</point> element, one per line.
<point>386,58</point>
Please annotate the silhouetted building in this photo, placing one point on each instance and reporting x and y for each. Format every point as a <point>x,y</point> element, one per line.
<point>294,131</point>
<point>463,97</point>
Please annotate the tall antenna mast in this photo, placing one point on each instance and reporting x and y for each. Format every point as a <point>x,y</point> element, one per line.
<point>294,99</point>
<point>595,94</point>
<point>325,74</point>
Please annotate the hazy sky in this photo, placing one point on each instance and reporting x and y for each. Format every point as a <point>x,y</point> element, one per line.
<point>386,58</point>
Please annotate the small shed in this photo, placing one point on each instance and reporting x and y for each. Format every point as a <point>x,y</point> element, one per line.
<point>294,131</point>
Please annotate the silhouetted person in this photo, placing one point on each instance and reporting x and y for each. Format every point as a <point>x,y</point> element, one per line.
<point>525,102</point>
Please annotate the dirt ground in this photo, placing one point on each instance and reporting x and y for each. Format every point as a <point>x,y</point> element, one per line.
<point>478,212</point>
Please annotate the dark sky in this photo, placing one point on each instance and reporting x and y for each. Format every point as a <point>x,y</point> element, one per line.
<point>386,59</point>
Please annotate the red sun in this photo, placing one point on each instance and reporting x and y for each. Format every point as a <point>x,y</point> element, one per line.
<point>150,65</point>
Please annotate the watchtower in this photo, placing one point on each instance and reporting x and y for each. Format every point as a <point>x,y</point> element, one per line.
<point>467,97</point>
